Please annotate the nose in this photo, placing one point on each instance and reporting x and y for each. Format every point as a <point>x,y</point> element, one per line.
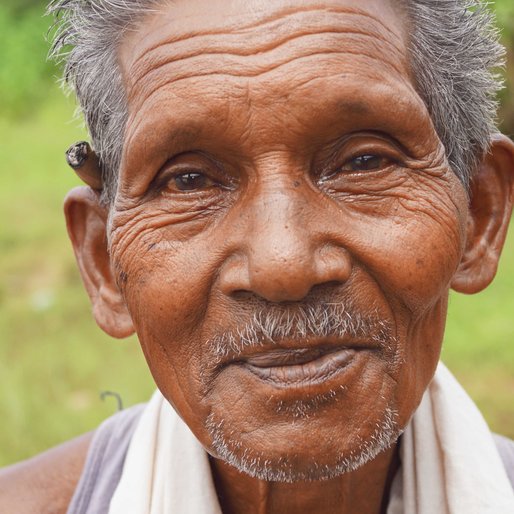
<point>286,247</point>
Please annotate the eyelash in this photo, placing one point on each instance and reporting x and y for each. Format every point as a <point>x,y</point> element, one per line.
<point>371,156</point>
<point>167,180</point>
<point>335,167</point>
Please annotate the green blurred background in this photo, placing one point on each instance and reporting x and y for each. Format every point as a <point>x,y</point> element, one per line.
<point>54,361</point>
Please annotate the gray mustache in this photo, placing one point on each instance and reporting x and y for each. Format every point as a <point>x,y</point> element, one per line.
<point>273,324</point>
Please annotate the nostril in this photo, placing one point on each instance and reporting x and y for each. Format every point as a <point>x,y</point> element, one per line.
<point>333,264</point>
<point>284,280</point>
<point>331,284</point>
<point>285,271</point>
<point>242,294</point>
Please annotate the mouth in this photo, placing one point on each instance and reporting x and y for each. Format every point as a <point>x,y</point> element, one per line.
<point>302,366</point>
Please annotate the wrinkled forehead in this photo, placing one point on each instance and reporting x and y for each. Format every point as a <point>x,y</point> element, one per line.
<point>249,38</point>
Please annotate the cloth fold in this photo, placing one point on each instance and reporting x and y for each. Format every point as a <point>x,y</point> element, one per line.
<point>166,469</point>
<point>449,462</point>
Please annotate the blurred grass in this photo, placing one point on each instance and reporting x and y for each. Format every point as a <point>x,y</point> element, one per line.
<point>25,74</point>
<point>54,361</point>
<point>479,344</point>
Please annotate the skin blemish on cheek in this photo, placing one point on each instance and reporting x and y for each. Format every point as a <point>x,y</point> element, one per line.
<point>296,183</point>
<point>151,246</point>
<point>123,277</point>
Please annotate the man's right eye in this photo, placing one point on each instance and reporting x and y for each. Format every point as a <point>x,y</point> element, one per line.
<point>367,162</point>
<point>192,181</point>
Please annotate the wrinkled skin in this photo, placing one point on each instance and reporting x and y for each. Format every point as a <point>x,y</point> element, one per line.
<point>270,108</point>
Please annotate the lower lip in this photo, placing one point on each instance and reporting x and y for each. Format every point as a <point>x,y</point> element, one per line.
<point>320,370</point>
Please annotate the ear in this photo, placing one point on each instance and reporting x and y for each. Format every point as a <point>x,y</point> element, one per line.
<point>492,196</point>
<point>86,220</point>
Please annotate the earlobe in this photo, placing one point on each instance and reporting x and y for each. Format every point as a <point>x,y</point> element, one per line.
<point>86,220</point>
<point>492,196</point>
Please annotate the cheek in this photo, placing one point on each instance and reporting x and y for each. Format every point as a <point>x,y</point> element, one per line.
<point>409,235</point>
<point>421,260</point>
<point>414,259</point>
<point>167,282</point>
<point>167,292</point>
<point>419,354</point>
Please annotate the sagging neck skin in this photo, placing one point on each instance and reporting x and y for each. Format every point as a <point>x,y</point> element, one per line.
<point>365,490</point>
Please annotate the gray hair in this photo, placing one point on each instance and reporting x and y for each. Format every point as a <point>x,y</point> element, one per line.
<point>454,52</point>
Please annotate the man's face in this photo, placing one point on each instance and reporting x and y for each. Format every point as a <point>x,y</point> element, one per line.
<point>286,227</point>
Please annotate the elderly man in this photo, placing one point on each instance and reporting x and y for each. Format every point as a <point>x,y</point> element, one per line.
<point>281,196</point>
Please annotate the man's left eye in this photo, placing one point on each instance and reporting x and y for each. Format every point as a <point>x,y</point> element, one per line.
<point>367,163</point>
<point>192,181</point>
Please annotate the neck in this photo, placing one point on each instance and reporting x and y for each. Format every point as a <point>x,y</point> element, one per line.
<point>365,490</point>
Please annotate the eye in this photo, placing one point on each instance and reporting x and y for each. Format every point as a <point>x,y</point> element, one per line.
<point>192,181</point>
<point>367,163</point>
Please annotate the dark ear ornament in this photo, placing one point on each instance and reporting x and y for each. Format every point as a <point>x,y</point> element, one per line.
<point>84,161</point>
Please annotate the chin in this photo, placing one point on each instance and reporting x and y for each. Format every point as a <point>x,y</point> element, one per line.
<point>292,463</point>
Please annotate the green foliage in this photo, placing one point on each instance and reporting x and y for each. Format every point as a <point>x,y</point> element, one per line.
<point>54,361</point>
<point>479,344</point>
<point>25,72</point>
<point>21,6</point>
<point>504,10</point>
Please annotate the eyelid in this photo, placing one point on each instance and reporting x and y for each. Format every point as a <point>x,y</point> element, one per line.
<point>367,143</point>
<point>374,145</point>
<point>191,162</point>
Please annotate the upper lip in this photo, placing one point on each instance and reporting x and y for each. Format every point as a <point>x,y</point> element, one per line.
<point>294,352</point>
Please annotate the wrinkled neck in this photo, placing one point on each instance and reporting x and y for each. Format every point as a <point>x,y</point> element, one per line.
<point>365,490</point>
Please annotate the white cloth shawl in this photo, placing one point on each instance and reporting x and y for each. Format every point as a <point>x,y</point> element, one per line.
<point>449,462</point>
